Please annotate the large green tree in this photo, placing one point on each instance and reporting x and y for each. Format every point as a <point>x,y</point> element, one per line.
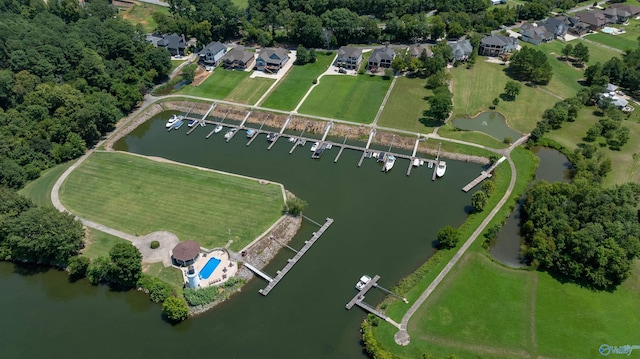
<point>448,237</point>
<point>126,264</point>
<point>532,65</point>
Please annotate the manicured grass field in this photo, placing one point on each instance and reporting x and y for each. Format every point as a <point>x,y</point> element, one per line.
<point>406,105</point>
<point>350,98</point>
<point>169,275</point>
<point>230,85</point>
<point>250,90</point>
<point>621,41</point>
<point>39,190</point>
<point>625,164</point>
<point>99,243</point>
<point>141,13</point>
<point>297,82</point>
<point>140,196</point>
<point>474,90</point>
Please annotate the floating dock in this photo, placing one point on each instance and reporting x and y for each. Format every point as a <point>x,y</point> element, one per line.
<point>359,301</point>
<point>292,261</point>
<point>483,175</point>
<point>258,272</point>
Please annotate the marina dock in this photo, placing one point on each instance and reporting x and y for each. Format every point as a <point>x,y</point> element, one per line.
<point>483,175</point>
<point>359,301</point>
<point>366,149</point>
<point>258,272</point>
<point>245,119</point>
<point>292,261</point>
<point>413,156</point>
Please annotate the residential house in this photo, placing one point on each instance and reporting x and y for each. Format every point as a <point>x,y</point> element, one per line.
<point>238,58</point>
<point>462,49</point>
<point>349,57</point>
<point>620,14</point>
<point>580,29</point>
<point>381,57</point>
<point>416,50</point>
<point>617,101</point>
<point>594,18</point>
<point>212,53</point>
<point>174,43</point>
<point>535,34</point>
<point>633,10</point>
<point>558,26</point>
<point>271,59</point>
<point>496,45</point>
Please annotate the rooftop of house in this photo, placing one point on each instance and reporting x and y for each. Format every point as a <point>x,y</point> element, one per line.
<point>499,40</point>
<point>347,51</point>
<point>417,50</point>
<point>238,53</point>
<point>385,53</point>
<point>214,47</point>
<point>275,53</point>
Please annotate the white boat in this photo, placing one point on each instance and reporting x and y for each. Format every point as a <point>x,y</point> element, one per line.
<point>171,121</point>
<point>192,123</point>
<point>292,139</point>
<point>329,146</point>
<point>442,167</point>
<point>391,160</point>
<point>416,162</point>
<point>217,129</point>
<point>229,133</point>
<point>362,282</point>
<point>314,147</point>
<point>376,154</point>
<point>250,132</point>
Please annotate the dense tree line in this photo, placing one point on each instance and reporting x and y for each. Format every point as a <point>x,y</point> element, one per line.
<point>624,72</point>
<point>35,234</point>
<point>67,75</point>
<point>532,65</point>
<point>582,230</point>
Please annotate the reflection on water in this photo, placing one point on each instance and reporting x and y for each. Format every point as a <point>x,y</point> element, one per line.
<point>490,122</point>
<point>553,167</point>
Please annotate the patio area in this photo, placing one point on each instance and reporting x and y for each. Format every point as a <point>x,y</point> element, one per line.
<point>222,272</point>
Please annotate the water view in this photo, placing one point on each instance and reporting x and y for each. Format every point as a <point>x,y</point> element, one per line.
<point>385,224</point>
<point>553,167</point>
<point>490,122</point>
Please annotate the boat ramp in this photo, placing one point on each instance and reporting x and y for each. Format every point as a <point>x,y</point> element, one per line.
<point>291,261</point>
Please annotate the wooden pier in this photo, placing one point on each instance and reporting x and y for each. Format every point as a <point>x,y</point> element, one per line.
<point>255,135</point>
<point>413,156</point>
<point>359,301</point>
<point>292,261</point>
<point>213,105</point>
<point>483,175</point>
<point>366,149</point>
<point>273,142</point>
<point>245,119</point>
<point>193,128</point>
<point>435,166</point>
<point>258,272</point>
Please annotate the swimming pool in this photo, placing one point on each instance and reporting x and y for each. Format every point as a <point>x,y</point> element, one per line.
<point>609,30</point>
<point>208,268</point>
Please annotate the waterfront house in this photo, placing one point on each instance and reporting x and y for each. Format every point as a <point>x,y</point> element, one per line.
<point>175,43</point>
<point>417,50</point>
<point>594,18</point>
<point>212,53</point>
<point>620,13</point>
<point>238,58</point>
<point>349,57</point>
<point>381,57</point>
<point>496,45</point>
<point>271,59</point>
<point>462,49</point>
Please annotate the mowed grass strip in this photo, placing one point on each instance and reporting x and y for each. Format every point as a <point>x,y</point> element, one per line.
<point>39,190</point>
<point>250,90</point>
<point>218,85</point>
<point>497,316</point>
<point>141,13</point>
<point>406,105</point>
<point>572,321</point>
<point>474,90</point>
<point>625,164</point>
<point>297,82</point>
<point>140,196</point>
<point>349,98</point>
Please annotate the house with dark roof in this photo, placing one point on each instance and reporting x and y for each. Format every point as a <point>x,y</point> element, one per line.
<point>462,49</point>
<point>617,15</point>
<point>238,58</point>
<point>594,18</point>
<point>185,253</point>
<point>416,50</point>
<point>558,26</point>
<point>174,43</point>
<point>534,34</point>
<point>349,57</point>
<point>271,59</point>
<point>496,45</point>
<point>381,57</point>
<point>633,10</point>
<point>212,53</point>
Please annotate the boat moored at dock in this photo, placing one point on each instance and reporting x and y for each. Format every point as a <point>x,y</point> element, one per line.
<point>192,123</point>
<point>172,121</point>
<point>272,136</point>
<point>250,132</point>
<point>176,125</point>
<point>391,160</point>
<point>362,282</point>
<point>230,133</point>
<point>217,129</point>
<point>441,169</point>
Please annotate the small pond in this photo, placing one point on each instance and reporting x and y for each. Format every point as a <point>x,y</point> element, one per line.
<point>490,122</point>
<point>553,167</point>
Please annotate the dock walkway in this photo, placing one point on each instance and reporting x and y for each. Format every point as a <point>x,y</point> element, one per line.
<point>483,175</point>
<point>292,261</point>
<point>359,301</point>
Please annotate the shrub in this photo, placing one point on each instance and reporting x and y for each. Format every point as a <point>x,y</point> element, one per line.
<point>78,266</point>
<point>295,206</point>
<point>175,309</point>
<point>98,271</point>
<point>448,237</point>
<point>507,140</point>
<point>154,244</point>
<point>315,81</point>
<point>157,289</point>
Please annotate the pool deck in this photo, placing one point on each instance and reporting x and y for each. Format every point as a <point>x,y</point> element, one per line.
<point>225,270</point>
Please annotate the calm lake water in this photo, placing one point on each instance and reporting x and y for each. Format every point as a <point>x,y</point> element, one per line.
<point>384,224</point>
<point>553,167</point>
<point>490,122</point>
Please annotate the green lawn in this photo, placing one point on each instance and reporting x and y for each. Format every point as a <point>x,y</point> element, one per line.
<point>230,85</point>
<point>39,190</point>
<point>623,42</point>
<point>625,163</point>
<point>480,138</point>
<point>199,205</point>
<point>98,244</point>
<point>169,275</point>
<point>350,98</point>
<point>406,105</point>
<point>141,13</point>
<point>242,4</point>
<point>174,64</point>
<point>474,90</point>
<point>297,82</point>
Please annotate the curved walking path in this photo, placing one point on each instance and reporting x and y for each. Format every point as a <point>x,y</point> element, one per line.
<point>295,110</point>
<point>402,336</point>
